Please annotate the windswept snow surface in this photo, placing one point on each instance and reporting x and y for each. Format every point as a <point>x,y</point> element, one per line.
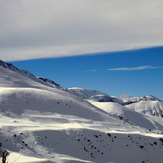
<point>45,124</point>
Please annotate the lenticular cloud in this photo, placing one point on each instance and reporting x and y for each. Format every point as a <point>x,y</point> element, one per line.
<point>39,29</point>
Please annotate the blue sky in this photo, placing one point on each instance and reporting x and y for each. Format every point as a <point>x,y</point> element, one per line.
<point>137,72</point>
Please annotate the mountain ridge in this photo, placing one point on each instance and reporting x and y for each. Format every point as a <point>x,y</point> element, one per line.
<point>94,94</point>
<point>28,74</point>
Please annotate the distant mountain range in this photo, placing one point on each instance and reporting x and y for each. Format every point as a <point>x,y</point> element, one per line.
<point>80,92</point>
<point>44,122</point>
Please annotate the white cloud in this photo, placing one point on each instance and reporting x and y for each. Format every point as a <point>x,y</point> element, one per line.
<point>133,68</point>
<point>93,70</point>
<point>52,28</point>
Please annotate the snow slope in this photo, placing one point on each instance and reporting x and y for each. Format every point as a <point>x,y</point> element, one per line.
<point>154,108</point>
<point>93,95</point>
<point>27,74</point>
<point>44,123</point>
<point>129,99</point>
<point>130,116</point>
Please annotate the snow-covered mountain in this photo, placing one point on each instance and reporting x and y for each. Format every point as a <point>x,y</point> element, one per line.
<point>27,74</point>
<point>129,99</point>
<point>154,108</point>
<point>43,122</point>
<point>93,95</point>
<point>103,97</point>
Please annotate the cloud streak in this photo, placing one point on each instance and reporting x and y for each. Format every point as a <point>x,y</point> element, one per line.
<point>93,70</point>
<point>133,68</point>
<point>39,28</point>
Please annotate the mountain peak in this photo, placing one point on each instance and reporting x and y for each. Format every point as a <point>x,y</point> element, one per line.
<point>29,75</point>
<point>129,99</point>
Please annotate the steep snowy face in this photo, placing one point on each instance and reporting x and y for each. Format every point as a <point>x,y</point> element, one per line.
<point>29,75</point>
<point>9,66</point>
<point>10,78</point>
